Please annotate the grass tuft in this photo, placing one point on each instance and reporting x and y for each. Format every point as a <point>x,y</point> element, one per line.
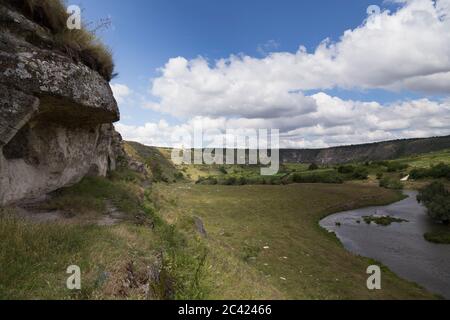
<point>81,45</point>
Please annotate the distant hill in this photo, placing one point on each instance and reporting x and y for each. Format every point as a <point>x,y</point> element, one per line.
<point>387,150</point>
<point>159,158</point>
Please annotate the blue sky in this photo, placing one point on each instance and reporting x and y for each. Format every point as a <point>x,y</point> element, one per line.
<point>146,34</point>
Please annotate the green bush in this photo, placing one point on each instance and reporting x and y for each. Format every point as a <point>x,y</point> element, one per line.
<point>223,170</point>
<point>328,177</point>
<point>437,172</point>
<point>437,200</point>
<point>360,173</point>
<point>389,183</point>
<point>313,167</point>
<point>346,169</point>
<point>207,181</point>
<point>396,166</point>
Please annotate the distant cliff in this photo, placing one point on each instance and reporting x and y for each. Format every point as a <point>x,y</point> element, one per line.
<point>365,152</point>
<point>56,113</point>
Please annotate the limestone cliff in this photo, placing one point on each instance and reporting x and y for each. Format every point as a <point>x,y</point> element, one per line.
<point>56,114</point>
<point>386,150</point>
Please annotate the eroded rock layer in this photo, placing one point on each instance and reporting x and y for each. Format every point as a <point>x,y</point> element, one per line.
<point>56,114</point>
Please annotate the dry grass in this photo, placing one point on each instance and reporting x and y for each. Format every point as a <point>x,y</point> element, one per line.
<point>81,45</point>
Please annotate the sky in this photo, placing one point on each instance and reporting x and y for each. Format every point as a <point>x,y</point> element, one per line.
<point>324,73</point>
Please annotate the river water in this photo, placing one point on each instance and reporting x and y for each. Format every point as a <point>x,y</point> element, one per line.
<point>400,246</point>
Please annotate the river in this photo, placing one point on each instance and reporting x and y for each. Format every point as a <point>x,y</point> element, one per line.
<point>399,246</point>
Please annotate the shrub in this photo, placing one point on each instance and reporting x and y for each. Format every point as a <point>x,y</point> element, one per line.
<point>360,173</point>
<point>207,181</point>
<point>242,181</point>
<point>81,45</point>
<point>379,175</point>
<point>346,169</point>
<point>223,170</point>
<point>391,184</point>
<point>231,181</point>
<point>417,174</point>
<point>329,177</point>
<point>437,172</point>
<point>313,167</point>
<point>179,176</point>
<point>437,200</point>
<point>396,166</point>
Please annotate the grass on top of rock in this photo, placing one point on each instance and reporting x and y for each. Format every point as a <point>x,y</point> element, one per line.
<point>81,45</point>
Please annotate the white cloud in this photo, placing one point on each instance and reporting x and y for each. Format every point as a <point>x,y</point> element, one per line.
<point>268,47</point>
<point>120,92</point>
<point>350,122</point>
<point>407,49</point>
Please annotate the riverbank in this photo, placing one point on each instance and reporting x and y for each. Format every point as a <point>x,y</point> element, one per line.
<point>399,246</point>
<point>265,241</point>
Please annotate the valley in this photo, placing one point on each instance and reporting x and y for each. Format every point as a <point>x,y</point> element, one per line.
<point>255,240</point>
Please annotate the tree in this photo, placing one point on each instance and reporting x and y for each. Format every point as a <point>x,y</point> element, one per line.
<point>313,167</point>
<point>437,200</point>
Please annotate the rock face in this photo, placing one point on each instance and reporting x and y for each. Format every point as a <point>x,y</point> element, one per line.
<point>56,114</point>
<point>366,152</point>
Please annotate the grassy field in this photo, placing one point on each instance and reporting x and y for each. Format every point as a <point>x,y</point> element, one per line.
<point>427,160</point>
<point>265,241</point>
<point>115,260</point>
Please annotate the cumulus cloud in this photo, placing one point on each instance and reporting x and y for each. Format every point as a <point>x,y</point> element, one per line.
<point>408,49</point>
<point>120,92</point>
<point>334,122</point>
